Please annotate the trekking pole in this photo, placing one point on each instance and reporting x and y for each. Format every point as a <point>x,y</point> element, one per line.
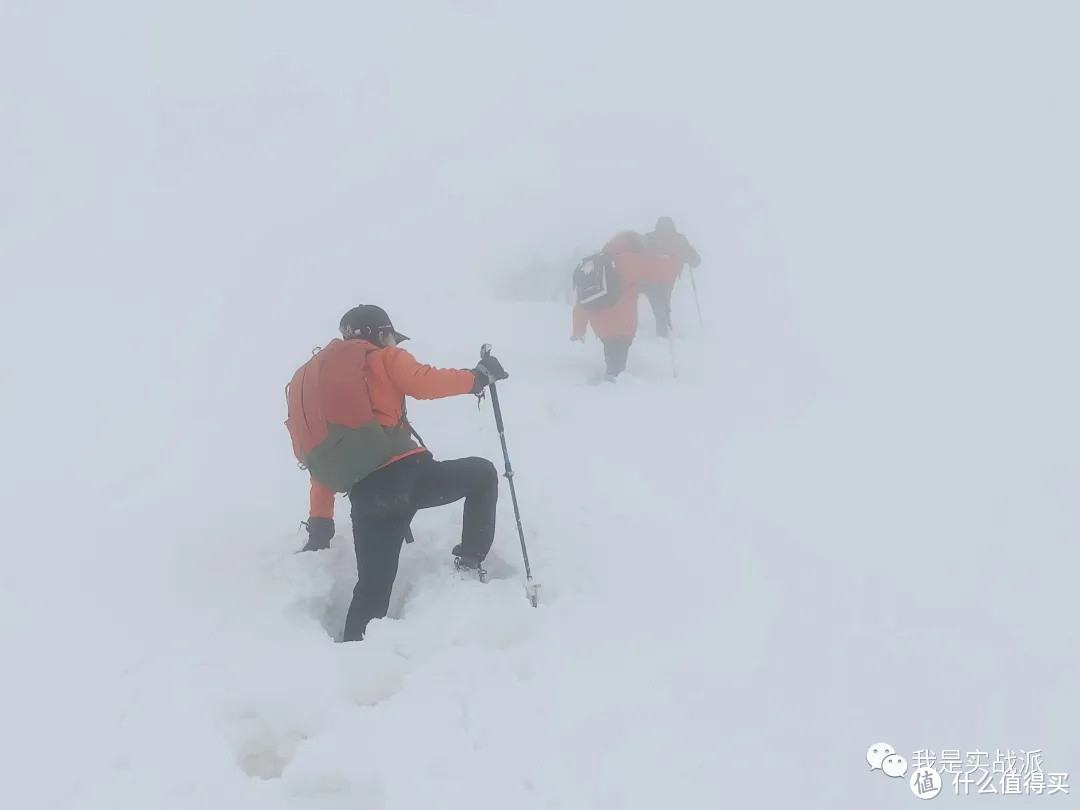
<point>696,301</point>
<point>530,586</point>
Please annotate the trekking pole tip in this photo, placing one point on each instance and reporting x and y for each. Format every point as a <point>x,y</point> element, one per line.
<point>531,592</point>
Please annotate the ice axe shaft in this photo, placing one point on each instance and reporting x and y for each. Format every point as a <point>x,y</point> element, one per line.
<point>530,586</point>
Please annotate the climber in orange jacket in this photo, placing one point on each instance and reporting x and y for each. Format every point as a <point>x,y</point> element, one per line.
<point>393,372</point>
<point>614,318</point>
<point>385,501</point>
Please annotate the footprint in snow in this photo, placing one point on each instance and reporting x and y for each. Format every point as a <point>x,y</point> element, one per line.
<point>261,750</point>
<point>377,687</point>
<point>373,670</point>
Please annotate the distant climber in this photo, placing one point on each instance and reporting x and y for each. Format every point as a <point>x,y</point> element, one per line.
<point>607,290</point>
<point>674,251</point>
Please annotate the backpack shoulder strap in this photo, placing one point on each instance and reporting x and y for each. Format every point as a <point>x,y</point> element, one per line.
<point>404,421</point>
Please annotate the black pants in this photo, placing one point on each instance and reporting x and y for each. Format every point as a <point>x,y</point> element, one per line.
<point>659,295</point>
<point>616,350</point>
<point>383,506</point>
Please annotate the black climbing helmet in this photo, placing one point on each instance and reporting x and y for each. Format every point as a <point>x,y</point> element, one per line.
<point>367,321</point>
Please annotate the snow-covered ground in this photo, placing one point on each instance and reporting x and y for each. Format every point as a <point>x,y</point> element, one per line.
<point>853,517</point>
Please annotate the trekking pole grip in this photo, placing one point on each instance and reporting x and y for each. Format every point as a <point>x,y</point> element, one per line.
<point>485,352</point>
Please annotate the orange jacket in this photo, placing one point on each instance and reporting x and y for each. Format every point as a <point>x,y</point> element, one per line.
<point>393,373</point>
<point>661,270</point>
<point>621,319</point>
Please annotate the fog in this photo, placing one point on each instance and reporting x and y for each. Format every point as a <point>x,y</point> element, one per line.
<point>885,197</point>
<point>179,181</point>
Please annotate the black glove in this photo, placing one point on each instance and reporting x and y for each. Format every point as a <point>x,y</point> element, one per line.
<point>487,371</point>
<point>320,531</point>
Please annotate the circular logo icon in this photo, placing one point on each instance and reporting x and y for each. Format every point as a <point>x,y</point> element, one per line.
<point>925,783</point>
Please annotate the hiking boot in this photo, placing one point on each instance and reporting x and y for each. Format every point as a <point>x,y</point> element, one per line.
<point>466,562</point>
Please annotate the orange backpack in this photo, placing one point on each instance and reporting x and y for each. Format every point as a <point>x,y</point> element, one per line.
<point>335,435</point>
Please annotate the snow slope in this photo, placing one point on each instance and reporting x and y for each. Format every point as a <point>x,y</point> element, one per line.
<point>852,517</point>
<point>729,567</point>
